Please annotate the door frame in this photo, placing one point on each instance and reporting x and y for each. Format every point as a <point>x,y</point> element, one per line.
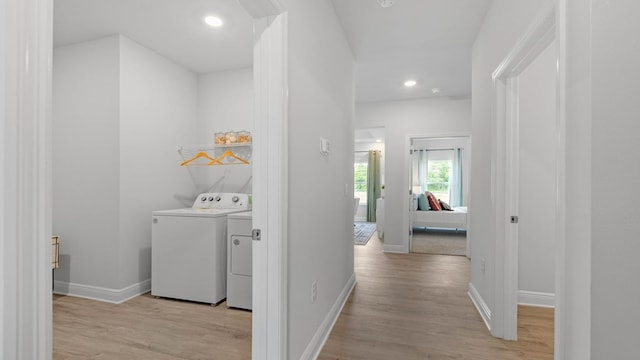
<point>504,318</point>
<point>25,179</point>
<point>407,202</point>
<point>270,174</point>
<point>26,176</point>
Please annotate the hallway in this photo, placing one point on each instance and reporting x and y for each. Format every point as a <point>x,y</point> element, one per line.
<point>415,306</point>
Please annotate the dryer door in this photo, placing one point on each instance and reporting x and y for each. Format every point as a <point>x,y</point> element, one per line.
<point>240,255</point>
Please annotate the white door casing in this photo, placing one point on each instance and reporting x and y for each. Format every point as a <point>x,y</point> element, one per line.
<point>407,241</point>
<point>25,178</point>
<point>505,171</point>
<point>269,330</point>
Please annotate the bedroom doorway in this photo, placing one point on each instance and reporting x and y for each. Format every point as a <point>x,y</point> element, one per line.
<point>438,195</point>
<point>368,181</point>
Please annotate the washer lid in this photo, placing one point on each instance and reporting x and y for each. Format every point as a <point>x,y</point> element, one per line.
<point>196,212</point>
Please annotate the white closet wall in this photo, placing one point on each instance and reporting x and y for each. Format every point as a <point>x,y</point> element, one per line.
<point>225,102</point>
<point>119,111</point>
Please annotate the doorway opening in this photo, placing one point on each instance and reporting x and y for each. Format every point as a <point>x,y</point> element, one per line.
<point>439,192</point>
<point>368,174</point>
<point>528,160</point>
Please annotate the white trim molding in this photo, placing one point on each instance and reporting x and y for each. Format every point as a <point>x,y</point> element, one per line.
<point>322,334</point>
<point>25,179</point>
<point>395,249</point>
<point>537,299</point>
<point>480,305</point>
<point>113,296</point>
<point>535,39</point>
<point>270,189</point>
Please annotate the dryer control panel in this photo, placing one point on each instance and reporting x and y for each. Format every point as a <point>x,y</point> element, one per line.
<point>236,201</point>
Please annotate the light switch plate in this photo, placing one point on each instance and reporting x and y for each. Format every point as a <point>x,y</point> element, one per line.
<point>325,146</point>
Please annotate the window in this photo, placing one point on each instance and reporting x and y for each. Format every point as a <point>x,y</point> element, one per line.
<point>438,178</point>
<point>360,181</point>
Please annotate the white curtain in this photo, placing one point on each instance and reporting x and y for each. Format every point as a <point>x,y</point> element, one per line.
<point>455,179</point>
<point>423,172</point>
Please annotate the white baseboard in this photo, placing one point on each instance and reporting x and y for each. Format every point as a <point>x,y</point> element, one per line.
<point>114,296</point>
<point>320,337</point>
<point>480,305</point>
<point>537,299</point>
<point>398,249</point>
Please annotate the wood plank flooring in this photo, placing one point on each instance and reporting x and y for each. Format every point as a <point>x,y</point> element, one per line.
<point>439,241</point>
<point>411,306</point>
<point>148,328</point>
<point>415,306</point>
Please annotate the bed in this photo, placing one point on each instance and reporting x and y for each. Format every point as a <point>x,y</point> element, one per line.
<point>456,219</point>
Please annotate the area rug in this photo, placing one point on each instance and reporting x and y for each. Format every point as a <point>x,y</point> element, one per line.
<point>439,241</point>
<point>362,233</point>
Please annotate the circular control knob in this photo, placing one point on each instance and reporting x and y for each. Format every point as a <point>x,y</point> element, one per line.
<point>211,198</point>
<point>217,198</point>
<point>204,198</point>
<point>236,242</point>
<point>235,199</point>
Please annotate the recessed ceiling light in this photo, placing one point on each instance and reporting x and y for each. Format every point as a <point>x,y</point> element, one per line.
<point>436,90</point>
<point>378,140</point>
<point>213,21</point>
<point>410,83</point>
<point>385,3</point>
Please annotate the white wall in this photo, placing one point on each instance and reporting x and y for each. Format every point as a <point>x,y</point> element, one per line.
<point>119,111</point>
<point>615,175</point>
<point>86,161</point>
<point>158,103</point>
<point>423,117</point>
<point>505,22</point>
<point>320,214</point>
<point>225,102</point>
<point>537,177</point>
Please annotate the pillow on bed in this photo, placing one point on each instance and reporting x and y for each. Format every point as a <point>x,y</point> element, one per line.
<point>433,202</point>
<point>423,203</point>
<point>444,205</point>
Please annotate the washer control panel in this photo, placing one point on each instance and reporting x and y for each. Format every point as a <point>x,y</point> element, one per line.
<point>222,201</point>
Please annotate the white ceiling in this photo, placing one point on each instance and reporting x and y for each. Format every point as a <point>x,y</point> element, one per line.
<point>369,135</point>
<point>426,40</point>
<point>172,28</point>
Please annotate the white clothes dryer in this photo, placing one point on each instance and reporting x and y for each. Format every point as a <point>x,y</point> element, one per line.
<point>239,258</point>
<point>188,248</point>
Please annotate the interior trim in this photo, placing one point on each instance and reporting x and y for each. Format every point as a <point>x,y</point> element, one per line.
<point>113,296</point>
<point>537,299</point>
<point>481,305</point>
<point>322,334</point>
<point>534,40</point>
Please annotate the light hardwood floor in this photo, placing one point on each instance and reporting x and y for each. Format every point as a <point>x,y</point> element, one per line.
<point>148,328</point>
<point>415,306</point>
<point>411,306</point>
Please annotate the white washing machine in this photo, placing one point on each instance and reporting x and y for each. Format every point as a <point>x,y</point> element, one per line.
<point>239,257</point>
<point>189,248</point>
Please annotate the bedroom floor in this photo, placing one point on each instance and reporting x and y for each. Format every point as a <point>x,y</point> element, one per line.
<point>439,241</point>
<point>415,306</point>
